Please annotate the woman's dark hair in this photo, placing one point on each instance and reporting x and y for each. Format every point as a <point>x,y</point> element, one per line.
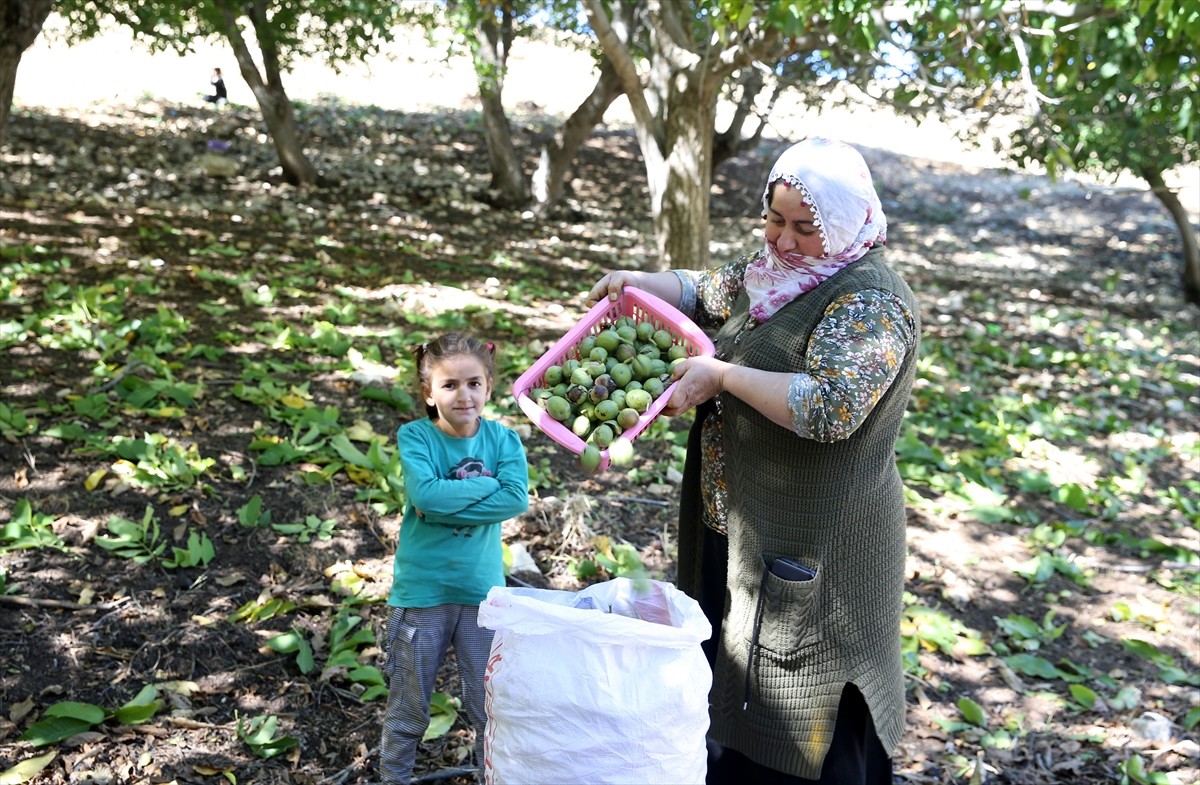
<point>451,344</point>
<point>770,195</point>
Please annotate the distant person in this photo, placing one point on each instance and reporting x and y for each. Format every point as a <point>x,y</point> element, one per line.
<point>219,95</point>
<point>464,475</point>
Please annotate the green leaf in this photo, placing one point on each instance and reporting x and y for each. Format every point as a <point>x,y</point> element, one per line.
<point>304,658</point>
<point>443,711</point>
<point>367,674</point>
<point>286,642</point>
<point>259,734</point>
<point>85,712</point>
<point>1018,626</point>
<point>1074,496</point>
<point>373,692</point>
<point>136,715</point>
<point>1032,665</point>
<point>396,397</point>
<point>1128,697</point>
<point>1148,651</point>
<point>250,513</point>
<point>27,770</point>
<point>972,712</point>
<point>199,552</point>
<point>1173,674</point>
<point>140,708</point>
<point>348,452</point>
<point>1083,695</point>
<point>67,432</point>
<point>746,15</point>
<point>1039,569</point>
<point>54,729</point>
<point>294,641</point>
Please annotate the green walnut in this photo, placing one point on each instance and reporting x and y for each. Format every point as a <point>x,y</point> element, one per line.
<point>559,408</point>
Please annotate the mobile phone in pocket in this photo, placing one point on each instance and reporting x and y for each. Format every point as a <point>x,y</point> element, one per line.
<point>792,570</point>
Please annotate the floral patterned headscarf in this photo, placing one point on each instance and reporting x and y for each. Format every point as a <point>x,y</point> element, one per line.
<point>835,182</point>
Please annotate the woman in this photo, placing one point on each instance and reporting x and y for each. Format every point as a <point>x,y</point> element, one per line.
<point>792,517</point>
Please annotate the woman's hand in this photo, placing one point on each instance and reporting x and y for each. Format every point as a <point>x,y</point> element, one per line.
<point>697,379</point>
<point>610,286</point>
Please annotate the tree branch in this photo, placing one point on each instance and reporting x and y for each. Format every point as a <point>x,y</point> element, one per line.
<point>668,22</point>
<point>1033,97</point>
<point>622,62</point>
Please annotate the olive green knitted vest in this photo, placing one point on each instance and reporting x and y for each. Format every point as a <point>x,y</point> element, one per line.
<point>838,507</point>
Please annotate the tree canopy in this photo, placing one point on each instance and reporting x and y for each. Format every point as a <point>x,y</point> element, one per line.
<point>1104,88</point>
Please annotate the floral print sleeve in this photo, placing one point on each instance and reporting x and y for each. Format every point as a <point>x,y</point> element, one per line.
<point>709,295</point>
<point>854,355</point>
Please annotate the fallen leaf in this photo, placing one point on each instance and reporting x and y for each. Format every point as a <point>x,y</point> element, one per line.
<point>27,769</point>
<point>183,687</point>
<point>17,711</point>
<point>94,479</point>
<point>212,771</point>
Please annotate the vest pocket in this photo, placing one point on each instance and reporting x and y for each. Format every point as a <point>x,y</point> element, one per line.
<point>788,614</point>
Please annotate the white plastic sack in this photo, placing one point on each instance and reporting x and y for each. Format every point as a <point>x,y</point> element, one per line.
<point>603,686</point>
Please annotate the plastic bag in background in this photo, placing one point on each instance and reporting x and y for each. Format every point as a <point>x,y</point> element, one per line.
<point>603,686</point>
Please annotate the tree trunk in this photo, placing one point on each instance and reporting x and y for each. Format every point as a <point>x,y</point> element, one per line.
<point>557,155</point>
<point>509,187</point>
<point>277,113</point>
<point>1190,278</point>
<point>272,100</point>
<point>20,24</point>
<point>674,114</point>
<point>680,191</point>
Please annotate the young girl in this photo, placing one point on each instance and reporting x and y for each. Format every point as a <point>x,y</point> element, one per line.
<point>463,476</point>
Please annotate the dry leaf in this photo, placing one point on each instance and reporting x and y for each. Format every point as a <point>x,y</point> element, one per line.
<point>180,687</point>
<point>17,711</point>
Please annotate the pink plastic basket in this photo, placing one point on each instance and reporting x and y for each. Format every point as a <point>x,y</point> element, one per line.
<point>642,306</point>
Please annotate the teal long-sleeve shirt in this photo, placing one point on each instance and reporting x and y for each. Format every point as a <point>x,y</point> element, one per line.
<point>450,552</point>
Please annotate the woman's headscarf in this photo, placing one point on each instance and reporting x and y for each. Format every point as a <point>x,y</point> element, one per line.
<point>834,181</point>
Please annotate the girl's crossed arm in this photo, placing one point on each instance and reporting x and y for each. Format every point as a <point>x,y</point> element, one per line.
<point>510,499</point>
<point>424,485</point>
